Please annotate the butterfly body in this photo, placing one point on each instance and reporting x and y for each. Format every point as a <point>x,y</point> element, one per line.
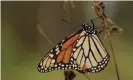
<point>81,51</point>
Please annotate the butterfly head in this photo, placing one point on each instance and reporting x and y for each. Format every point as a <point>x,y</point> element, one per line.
<point>89,29</point>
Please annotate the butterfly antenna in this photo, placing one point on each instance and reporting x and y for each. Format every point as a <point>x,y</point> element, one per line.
<point>74,29</point>
<point>92,21</point>
<point>117,72</point>
<point>64,20</point>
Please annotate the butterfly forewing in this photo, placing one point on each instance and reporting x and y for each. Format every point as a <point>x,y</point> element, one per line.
<point>60,56</point>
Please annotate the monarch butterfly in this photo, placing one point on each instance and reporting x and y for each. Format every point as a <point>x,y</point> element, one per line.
<point>82,51</point>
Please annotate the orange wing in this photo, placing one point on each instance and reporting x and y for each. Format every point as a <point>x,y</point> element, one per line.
<point>68,46</point>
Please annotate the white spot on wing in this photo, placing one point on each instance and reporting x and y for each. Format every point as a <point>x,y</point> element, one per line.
<point>62,65</point>
<point>51,50</point>
<point>57,46</point>
<point>55,65</point>
<point>51,55</point>
<point>45,68</point>
<point>53,61</point>
<point>75,54</point>
<point>74,49</point>
<point>59,67</point>
<point>41,63</point>
<point>42,67</point>
<point>57,52</point>
<point>57,49</point>
<point>63,40</point>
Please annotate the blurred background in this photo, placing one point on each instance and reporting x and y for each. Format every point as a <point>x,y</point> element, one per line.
<point>23,47</point>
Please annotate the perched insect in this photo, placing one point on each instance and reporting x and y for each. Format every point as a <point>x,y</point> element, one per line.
<point>82,51</point>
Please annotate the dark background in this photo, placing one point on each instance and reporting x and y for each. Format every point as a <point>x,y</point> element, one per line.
<point>23,46</point>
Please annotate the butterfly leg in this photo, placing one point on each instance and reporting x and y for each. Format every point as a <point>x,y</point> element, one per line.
<point>64,20</point>
<point>99,17</point>
<point>44,35</point>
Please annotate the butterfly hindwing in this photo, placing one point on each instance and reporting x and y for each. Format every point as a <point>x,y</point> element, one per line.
<point>90,54</point>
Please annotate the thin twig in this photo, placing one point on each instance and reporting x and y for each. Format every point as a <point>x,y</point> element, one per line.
<point>44,35</point>
<point>66,3</point>
<point>86,76</point>
<point>117,72</point>
<point>67,8</point>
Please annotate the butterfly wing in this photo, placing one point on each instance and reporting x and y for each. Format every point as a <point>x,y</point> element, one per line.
<point>90,54</point>
<point>60,56</point>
